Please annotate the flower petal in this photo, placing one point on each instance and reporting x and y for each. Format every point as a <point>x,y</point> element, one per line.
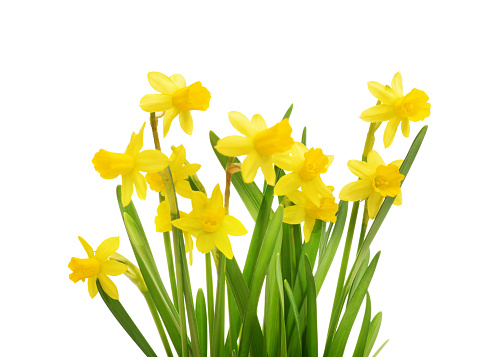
<point>396,84</point>
<point>186,121</point>
<point>298,198</point>
<point>140,184</point>
<point>268,171</point>
<point>163,218</point>
<point>106,248</point>
<point>151,161</point>
<point>398,163</point>
<point>374,159</point>
<point>405,127</point>
<point>288,184</point>
<point>161,83</point>
<point>285,161</point>
<point>308,228</point>
<point>390,132</point>
<point>361,169</point>
<point>374,202</point>
<point>168,119</point>
<point>234,145</point>
<point>186,170</point>
<point>136,142</point>
<point>384,94</point>
<point>177,158</point>
<point>223,243</point>
<point>198,201</point>
<point>87,247</point>
<point>92,286</point>
<point>293,214</point>
<point>258,122</point>
<point>233,226</point>
<point>216,200</point>
<point>178,81</point>
<point>183,188</point>
<point>356,191</point>
<point>398,200</point>
<point>112,267</point>
<point>188,224</point>
<point>378,113</point>
<point>188,246</point>
<point>156,102</point>
<point>127,189</point>
<point>204,242</point>
<point>241,123</point>
<point>108,286</point>
<point>250,166</point>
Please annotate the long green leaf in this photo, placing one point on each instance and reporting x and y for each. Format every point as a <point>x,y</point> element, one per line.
<point>283,335</point>
<point>380,349</point>
<point>271,325</point>
<point>217,345</point>
<point>126,322</point>
<point>201,322</point>
<point>311,337</point>
<point>372,334</point>
<point>362,339</point>
<point>293,305</point>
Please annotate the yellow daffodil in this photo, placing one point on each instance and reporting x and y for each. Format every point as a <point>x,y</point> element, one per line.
<point>97,266</point>
<point>307,166</point>
<point>305,210</point>
<point>110,165</point>
<point>176,99</point>
<point>377,181</point>
<point>396,107</point>
<point>179,172</point>
<point>261,145</point>
<point>163,224</point>
<point>209,223</point>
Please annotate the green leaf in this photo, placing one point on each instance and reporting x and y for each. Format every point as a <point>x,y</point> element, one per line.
<point>201,322</point>
<point>311,337</point>
<point>361,341</point>
<point>304,136</point>
<point>294,307</point>
<point>126,322</point>
<point>380,349</point>
<point>283,335</point>
<point>271,324</point>
<point>217,345</point>
<point>372,334</point>
<point>288,112</point>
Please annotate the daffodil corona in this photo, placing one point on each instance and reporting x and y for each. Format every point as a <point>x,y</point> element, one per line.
<point>176,99</point>
<point>209,223</point>
<point>96,266</point>
<point>396,107</point>
<point>262,145</point>
<point>110,165</point>
<point>377,181</point>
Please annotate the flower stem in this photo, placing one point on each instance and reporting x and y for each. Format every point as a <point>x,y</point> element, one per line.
<point>209,291</point>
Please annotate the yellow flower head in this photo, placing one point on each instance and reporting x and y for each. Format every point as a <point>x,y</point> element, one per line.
<point>209,224</point>
<point>307,166</point>
<point>96,266</point>
<point>377,181</point>
<point>163,224</point>
<point>179,172</point>
<point>262,145</point>
<point>396,107</point>
<point>176,99</point>
<point>110,165</point>
<point>305,210</point>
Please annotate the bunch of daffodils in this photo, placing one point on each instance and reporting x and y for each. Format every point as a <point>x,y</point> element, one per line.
<point>291,248</point>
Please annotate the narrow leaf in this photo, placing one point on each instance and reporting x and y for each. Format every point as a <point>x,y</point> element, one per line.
<point>201,322</point>
<point>311,337</point>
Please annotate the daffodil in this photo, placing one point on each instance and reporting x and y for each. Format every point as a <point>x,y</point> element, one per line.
<point>377,180</point>
<point>179,172</point>
<point>307,166</point>
<point>305,210</point>
<point>110,165</point>
<point>176,99</point>
<point>209,223</point>
<point>163,224</point>
<point>396,107</point>
<point>97,266</point>
<point>261,145</point>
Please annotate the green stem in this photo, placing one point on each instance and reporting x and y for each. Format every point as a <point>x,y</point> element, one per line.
<point>209,293</point>
<point>157,321</point>
<point>169,259</point>
<point>217,345</point>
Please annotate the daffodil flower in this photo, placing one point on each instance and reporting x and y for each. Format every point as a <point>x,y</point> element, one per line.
<point>377,181</point>
<point>261,145</point>
<point>110,165</point>
<point>209,223</point>
<point>163,224</point>
<point>396,107</point>
<point>176,99</point>
<point>97,266</point>
<point>307,166</point>
<point>305,210</point>
<point>179,172</point>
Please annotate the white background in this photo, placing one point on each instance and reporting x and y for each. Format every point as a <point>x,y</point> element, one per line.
<point>72,75</point>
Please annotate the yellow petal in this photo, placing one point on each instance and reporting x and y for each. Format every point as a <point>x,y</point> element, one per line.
<point>378,113</point>
<point>233,226</point>
<point>396,85</point>
<point>381,92</point>
<point>250,166</point>
<point>223,243</point>
<point>92,286</point>
<point>216,200</point>
<point>136,142</point>
<point>268,171</point>
<point>286,162</point>
<point>140,184</point>
<point>151,161</point>
<point>241,123</point>
<point>187,170</point>
<point>298,151</point>
<point>108,286</point>
<point>112,267</point>
<point>183,188</point>
<point>186,121</point>
<point>374,202</point>
<point>293,214</point>
<point>390,132</point>
<point>308,228</point>
<point>204,242</point>
<point>320,187</point>
<point>178,81</point>
<point>288,184</point>
<point>258,122</point>
<point>156,102</point>
<point>298,198</point>
<point>127,189</point>
<point>398,163</point>
<point>188,224</point>
<point>177,158</point>
<point>87,247</point>
<point>188,246</point>
<point>198,201</point>
<point>163,218</point>
<point>168,119</point>
<point>405,127</point>
<point>361,169</point>
<point>161,83</point>
<point>398,200</point>
<point>234,145</point>
<point>106,248</point>
<point>374,159</point>
<point>356,191</point>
